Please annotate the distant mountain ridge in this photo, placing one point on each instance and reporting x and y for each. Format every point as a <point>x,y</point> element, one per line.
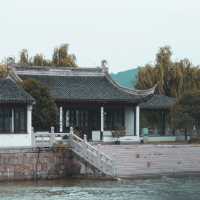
<point>126,78</point>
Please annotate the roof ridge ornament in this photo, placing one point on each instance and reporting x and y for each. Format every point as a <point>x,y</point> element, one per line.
<point>13,75</point>
<point>104,66</point>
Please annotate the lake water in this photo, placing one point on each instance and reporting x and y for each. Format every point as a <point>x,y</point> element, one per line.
<point>149,189</point>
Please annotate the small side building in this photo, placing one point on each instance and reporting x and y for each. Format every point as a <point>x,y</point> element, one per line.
<point>15,114</point>
<point>155,118</point>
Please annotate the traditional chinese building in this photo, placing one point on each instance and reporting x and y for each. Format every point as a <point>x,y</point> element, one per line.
<point>91,102</point>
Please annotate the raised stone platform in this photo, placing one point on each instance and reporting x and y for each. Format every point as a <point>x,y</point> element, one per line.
<point>131,161</point>
<point>153,160</point>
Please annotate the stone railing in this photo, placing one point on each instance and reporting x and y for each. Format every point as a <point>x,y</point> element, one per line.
<point>80,147</point>
<point>92,155</point>
<point>45,139</point>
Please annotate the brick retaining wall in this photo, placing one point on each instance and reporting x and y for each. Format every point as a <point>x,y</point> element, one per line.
<point>37,163</point>
<point>131,161</point>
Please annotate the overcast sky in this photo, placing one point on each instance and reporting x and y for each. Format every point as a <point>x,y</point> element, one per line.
<point>127,33</point>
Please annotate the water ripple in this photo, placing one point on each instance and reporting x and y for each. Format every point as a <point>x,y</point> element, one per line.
<point>150,189</point>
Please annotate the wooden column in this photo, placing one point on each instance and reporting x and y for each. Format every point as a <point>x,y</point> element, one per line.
<point>102,121</point>
<point>61,119</point>
<point>13,121</point>
<point>137,121</point>
<point>29,119</point>
<point>163,122</point>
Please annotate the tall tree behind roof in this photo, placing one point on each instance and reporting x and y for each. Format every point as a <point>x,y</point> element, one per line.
<point>4,71</point>
<point>186,113</point>
<point>61,57</point>
<point>40,60</point>
<point>172,78</point>
<point>45,109</point>
<point>24,58</point>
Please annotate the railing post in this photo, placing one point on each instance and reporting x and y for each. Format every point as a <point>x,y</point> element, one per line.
<point>85,138</point>
<point>85,150</point>
<point>114,168</point>
<point>33,142</point>
<point>84,145</point>
<point>52,139</point>
<point>71,132</point>
<point>52,136</point>
<point>52,129</point>
<point>98,156</point>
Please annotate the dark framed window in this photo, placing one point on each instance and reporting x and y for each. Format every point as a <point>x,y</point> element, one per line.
<point>113,118</point>
<point>5,120</point>
<point>20,120</point>
<point>76,118</point>
<point>95,119</point>
<point>81,118</point>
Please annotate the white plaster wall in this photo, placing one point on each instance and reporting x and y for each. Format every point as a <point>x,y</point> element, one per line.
<point>129,121</point>
<point>15,140</point>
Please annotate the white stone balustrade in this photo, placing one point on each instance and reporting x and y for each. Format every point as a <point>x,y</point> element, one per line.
<point>80,147</point>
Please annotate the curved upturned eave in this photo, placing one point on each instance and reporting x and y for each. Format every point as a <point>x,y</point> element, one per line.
<point>142,93</point>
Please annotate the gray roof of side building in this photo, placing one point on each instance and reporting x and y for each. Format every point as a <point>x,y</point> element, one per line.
<point>159,102</point>
<point>11,92</point>
<point>83,84</point>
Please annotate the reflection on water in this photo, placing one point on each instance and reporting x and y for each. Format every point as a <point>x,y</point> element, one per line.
<point>151,189</point>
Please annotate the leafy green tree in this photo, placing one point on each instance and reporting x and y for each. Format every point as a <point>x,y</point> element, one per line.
<point>38,60</point>
<point>178,79</point>
<point>24,58</point>
<point>61,57</point>
<point>4,71</point>
<point>186,113</point>
<point>172,78</point>
<point>45,110</point>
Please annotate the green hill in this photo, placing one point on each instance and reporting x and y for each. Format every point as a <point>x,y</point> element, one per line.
<point>126,78</point>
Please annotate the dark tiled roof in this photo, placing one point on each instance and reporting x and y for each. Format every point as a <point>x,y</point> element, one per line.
<point>10,92</point>
<point>84,88</point>
<point>159,102</point>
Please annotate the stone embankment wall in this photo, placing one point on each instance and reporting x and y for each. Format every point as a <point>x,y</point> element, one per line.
<point>152,160</point>
<point>37,163</point>
<point>131,161</point>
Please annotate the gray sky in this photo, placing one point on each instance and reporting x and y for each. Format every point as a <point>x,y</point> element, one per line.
<point>127,33</point>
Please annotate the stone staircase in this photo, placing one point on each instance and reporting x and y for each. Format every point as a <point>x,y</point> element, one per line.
<point>89,153</point>
<point>144,160</point>
<point>92,155</point>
